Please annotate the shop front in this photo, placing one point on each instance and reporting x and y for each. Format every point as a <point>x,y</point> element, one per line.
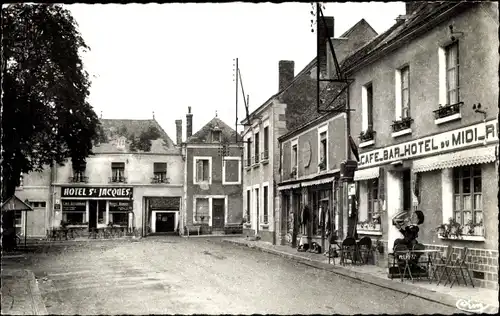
<point>163,214</point>
<point>94,207</point>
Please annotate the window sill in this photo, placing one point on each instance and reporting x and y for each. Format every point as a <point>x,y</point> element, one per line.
<point>247,225</point>
<point>369,232</point>
<point>367,143</point>
<point>256,165</point>
<point>264,225</point>
<point>264,161</point>
<point>453,117</point>
<point>231,183</point>
<point>248,168</point>
<point>465,238</point>
<point>401,133</point>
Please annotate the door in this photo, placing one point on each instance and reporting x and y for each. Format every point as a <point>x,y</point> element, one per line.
<point>92,214</point>
<point>165,222</point>
<point>218,214</point>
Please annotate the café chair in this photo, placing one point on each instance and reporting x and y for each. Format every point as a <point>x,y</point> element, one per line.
<point>459,265</point>
<point>348,250</point>
<point>442,264</point>
<point>365,247</point>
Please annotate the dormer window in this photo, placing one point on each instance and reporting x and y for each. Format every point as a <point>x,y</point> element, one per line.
<point>216,136</point>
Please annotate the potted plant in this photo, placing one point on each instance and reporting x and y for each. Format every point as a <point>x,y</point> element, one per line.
<point>322,163</point>
<point>367,135</point>
<point>475,229</point>
<point>452,229</point>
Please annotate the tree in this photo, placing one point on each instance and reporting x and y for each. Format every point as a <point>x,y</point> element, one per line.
<point>46,118</point>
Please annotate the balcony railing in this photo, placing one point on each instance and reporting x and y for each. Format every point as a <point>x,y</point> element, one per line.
<point>447,110</point>
<point>403,124</point>
<point>158,180</point>
<point>117,179</point>
<point>78,179</point>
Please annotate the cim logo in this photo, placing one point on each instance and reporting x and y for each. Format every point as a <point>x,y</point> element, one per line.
<point>471,306</point>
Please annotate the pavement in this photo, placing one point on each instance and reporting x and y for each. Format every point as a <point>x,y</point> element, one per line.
<point>174,275</point>
<point>374,275</point>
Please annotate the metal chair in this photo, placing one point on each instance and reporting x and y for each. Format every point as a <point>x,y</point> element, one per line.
<point>365,247</point>
<point>441,265</point>
<point>460,265</point>
<point>348,250</point>
<point>332,249</point>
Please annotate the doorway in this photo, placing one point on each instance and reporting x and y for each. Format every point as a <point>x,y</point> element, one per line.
<point>218,214</point>
<point>165,222</point>
<point>92,214</point>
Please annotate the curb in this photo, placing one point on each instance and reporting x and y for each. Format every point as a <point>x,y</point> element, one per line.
<point>423,293</point>
<point>36,297</point>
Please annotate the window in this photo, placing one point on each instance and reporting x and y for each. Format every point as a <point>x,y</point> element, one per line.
<point>249,205</point>
<point>257,202</point>
<point>202,210</point>
<point>367,107</point>
<point>38,204</point>
<point>373,213</point>
<point>231,170</point>
<point>73,218</point>
<point>117,172</point>
<point>203,167</point>
<point>160,172</point>
<point>407,194</point>
<point>266,204</point>
<point>19,218</point>
<point>266,143</point>
<point>467,188</point>
<point>119,218</point>
<point>249,152</point>
<point>256,148</point>
<point>216,136</point>
<point>295,160</point>
<point>322,151</point>
<point>79,173</point>
<point>73,212</point>
<point>405,92</point>
<point>101,212</point>
<point>452,71</point>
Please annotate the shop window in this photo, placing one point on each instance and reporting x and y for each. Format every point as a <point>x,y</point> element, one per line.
<point>203,170</point>
<point>160,172</point>
<point>452,74</point>
<point>265,201</point>
<point>74,218</point>
<point>119,218</point>
<point>117,172</point>
<point>468,198</point>
<point>407,195</point>
<point>201,210</point>
<point>101,212</point>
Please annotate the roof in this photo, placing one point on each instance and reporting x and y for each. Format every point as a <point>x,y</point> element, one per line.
<point>362,21</point>
<point>422,15</point>
<point>124,129</point>
<point>15,204</point>
<point>204,134</point>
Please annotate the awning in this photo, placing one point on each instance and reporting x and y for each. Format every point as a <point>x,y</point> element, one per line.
<point>366,174</point>
<point>289,186</point>
<point>318,182</point>
<point>473,156</point>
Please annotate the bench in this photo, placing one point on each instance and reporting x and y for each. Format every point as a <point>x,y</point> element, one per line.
<point>191,228</point>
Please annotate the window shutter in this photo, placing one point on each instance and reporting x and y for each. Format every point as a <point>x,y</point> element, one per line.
<point>199,170</point>
<point>160,167</point>
<point>381,188</point>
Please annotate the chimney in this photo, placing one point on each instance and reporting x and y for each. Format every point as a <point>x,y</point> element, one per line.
<point>411,6</point>
<point>323,35</point>
<point>189,123</point>
<point>286,73</point>
<point>178,126</point>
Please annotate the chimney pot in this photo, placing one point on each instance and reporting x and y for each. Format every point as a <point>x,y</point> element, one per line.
<point>178,127</point>
<point>286,73</point>
<point>189,123</point>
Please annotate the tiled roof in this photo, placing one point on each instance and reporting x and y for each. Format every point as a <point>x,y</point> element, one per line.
<point>204,134</point>
<point>121,129</point>
<point>349,31</point>
<point>422,14</point>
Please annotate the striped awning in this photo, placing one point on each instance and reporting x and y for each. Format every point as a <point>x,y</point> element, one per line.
<point>318,182</point>
<point>473,156</point>
<point>289,186</point>
<point>366,174</point>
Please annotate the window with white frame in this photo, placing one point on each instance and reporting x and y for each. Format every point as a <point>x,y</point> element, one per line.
<point>256,147</point>
<point>257,202</point>
<point>452,74</point>
<point>265,153</point>
<point>265,205</point>
<point>159,172</point>
<point>202,210</point>
<point>405,92</point>
<point>231,170</point>
<point>367,107</point>
<point>323,148</point>
<point>117,172</point>
<point>468,198</point>
<point>372,199</point>
<point>249,205</point>
<point>248,143</point>
<point>203,170</point>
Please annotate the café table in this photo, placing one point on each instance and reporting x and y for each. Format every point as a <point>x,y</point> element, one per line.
<point>408,256</point>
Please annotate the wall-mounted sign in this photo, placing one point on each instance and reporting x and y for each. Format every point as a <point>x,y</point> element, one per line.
<point>165,203</point>
<point>106,192</point>
<point>72,205</point>
<point>120,206</point>
<point>457,139</point>
<point>57,206</point>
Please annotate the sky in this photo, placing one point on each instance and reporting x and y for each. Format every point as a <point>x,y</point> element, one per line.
<point>162,58</point>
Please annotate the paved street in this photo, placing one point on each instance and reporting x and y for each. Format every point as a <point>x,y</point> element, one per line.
<point>203,276</point>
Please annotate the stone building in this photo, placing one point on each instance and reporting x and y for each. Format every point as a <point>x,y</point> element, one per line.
<point>133,180</point>
<point>212,180</point>
<point>291,108</point>
<point>425,143</point>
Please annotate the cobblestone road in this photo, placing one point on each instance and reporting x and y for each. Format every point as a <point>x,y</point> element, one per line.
<point>204,276</point>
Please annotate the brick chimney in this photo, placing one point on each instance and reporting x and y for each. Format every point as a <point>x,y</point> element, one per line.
<point>323,35</point>
<point>178,127</point>
<point>286,73</point>
<point>411,6</point>
<point>189,123</point>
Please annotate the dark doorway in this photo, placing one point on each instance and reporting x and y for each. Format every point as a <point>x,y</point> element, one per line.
<point>165,222</point>
<point>218,214</point>
<point>407,195</point>
<point>92,214</point>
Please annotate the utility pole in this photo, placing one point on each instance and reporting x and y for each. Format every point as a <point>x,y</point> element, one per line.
<point>237,81</point>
